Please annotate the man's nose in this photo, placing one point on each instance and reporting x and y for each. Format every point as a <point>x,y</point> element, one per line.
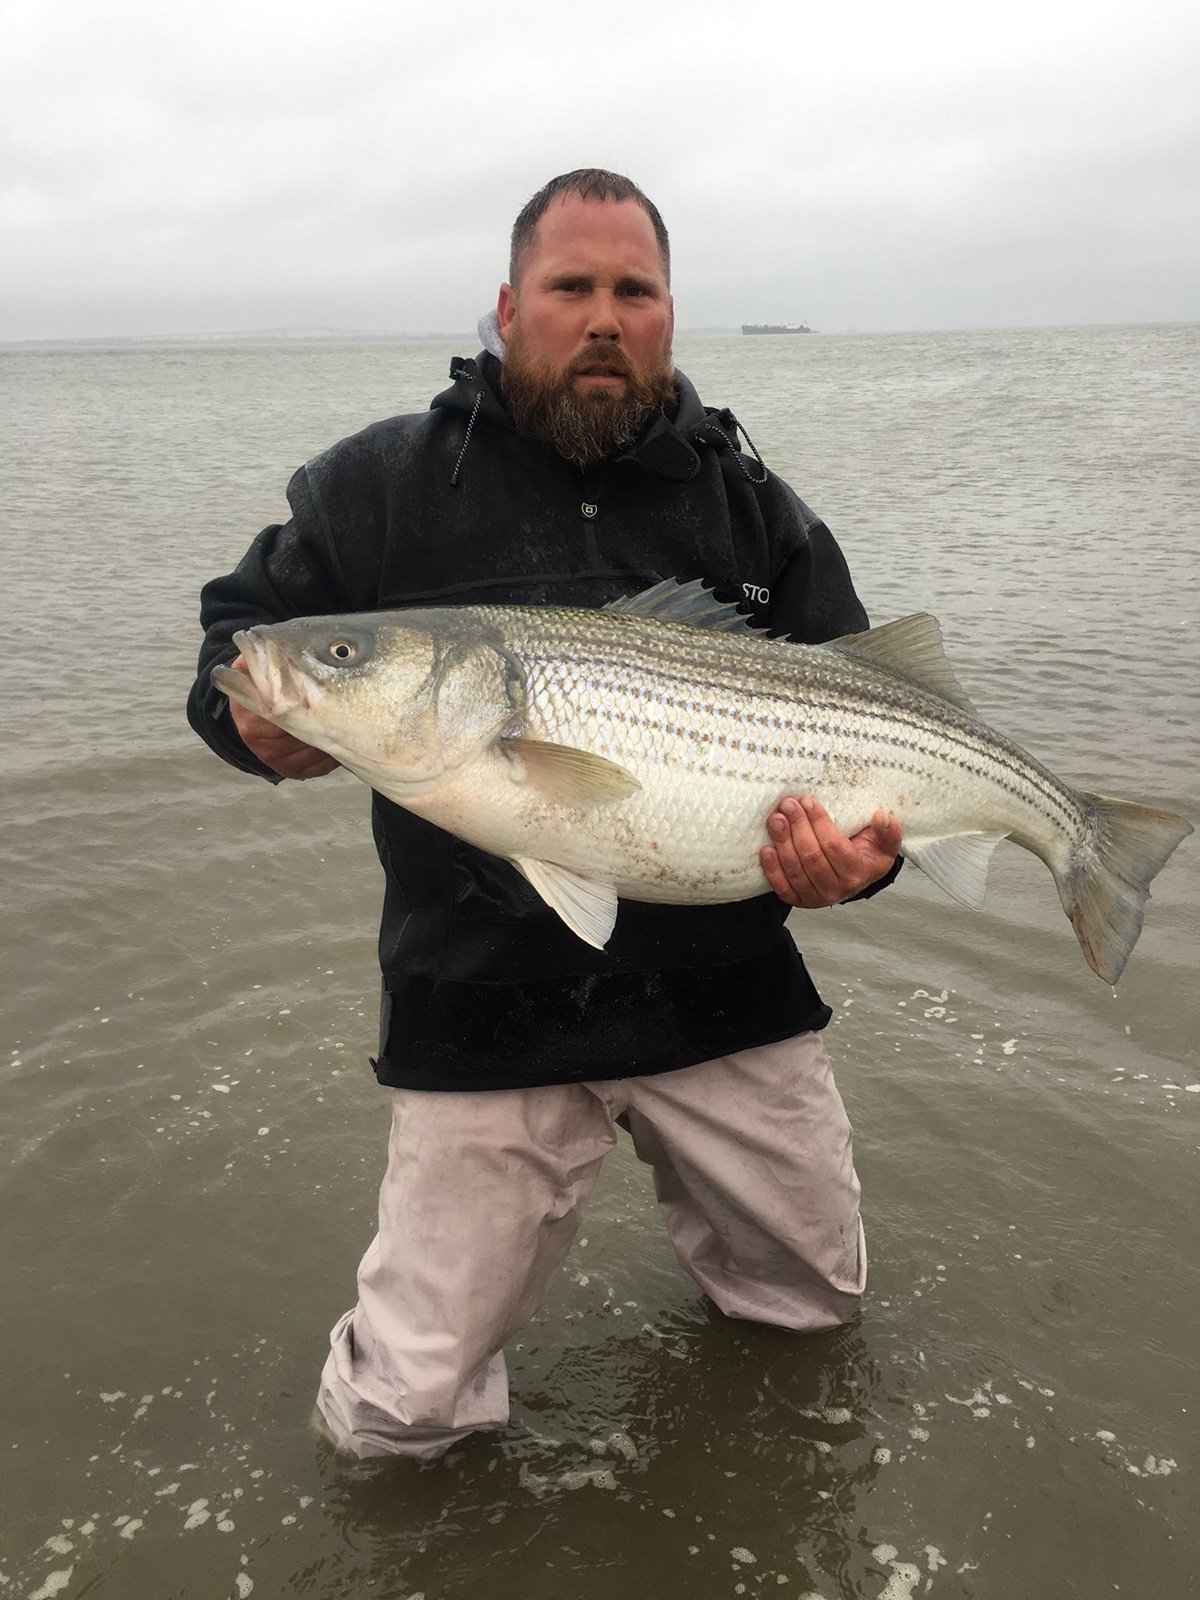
<point>603,322</point>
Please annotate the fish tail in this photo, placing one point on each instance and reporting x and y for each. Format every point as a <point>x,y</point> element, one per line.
<point>1107,880</point>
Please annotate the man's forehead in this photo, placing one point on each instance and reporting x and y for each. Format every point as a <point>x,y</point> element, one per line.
<point>572,226</point>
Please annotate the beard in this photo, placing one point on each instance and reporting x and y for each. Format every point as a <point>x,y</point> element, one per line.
<point>585,428</point>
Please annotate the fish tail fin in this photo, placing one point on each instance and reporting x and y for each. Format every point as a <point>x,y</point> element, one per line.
<point>1106,883</point>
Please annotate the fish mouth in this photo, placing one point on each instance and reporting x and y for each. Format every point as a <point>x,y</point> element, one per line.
<point>266,682</point>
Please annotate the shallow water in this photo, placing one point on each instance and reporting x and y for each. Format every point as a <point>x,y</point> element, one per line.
<point>194,1138</point>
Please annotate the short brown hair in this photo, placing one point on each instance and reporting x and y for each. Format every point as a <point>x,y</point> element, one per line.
<point>589,183</point>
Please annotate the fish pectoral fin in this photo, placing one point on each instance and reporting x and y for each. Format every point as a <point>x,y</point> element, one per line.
<point>910,647</point>
<point>574,777</point>
<point>588,909</point>
<point>958,864</point>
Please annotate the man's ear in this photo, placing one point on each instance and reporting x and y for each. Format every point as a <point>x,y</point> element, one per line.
<point>506,309</point>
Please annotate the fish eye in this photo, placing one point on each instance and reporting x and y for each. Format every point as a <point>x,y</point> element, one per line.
<point>343,650</point>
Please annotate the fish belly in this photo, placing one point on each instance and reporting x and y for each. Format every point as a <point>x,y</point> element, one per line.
<point>683,839</point>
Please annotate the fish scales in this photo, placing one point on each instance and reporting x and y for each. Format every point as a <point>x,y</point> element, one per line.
<point>643,673</point>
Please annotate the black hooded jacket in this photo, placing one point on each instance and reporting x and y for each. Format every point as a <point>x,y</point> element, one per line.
<point>484,986</point>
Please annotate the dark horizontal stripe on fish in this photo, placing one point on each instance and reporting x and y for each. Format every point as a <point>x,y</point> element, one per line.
<point>987,767</point>
<point>613,676</point>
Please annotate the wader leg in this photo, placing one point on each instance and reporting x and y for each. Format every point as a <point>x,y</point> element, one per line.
<point>481,1200</point>
<point>754,1172</point>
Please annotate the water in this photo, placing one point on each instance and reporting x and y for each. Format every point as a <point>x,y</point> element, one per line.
<point>193,1137</point>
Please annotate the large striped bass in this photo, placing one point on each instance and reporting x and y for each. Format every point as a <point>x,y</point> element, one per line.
<point>638,750</point>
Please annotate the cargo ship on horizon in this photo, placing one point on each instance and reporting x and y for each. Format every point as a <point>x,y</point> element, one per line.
<point>776,327</point>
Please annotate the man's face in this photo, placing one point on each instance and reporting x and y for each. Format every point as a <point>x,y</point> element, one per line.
<point>588,327</point>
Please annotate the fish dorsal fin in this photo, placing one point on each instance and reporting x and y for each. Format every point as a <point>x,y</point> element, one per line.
<point>958,864</point>
<point>693,603</point>
<point>910,647</point>
<point>573,777</point>
<point>588,909</point>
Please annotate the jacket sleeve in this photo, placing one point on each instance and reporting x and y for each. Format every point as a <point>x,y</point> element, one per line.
<point>812,594</point>
<point>292,569</point>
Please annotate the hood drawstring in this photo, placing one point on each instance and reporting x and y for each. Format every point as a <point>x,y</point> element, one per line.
<point>711,425</point>
<point>467,436</point>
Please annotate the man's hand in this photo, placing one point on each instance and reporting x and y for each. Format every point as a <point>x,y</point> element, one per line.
<point>282,751</point>
<point>811,863</point>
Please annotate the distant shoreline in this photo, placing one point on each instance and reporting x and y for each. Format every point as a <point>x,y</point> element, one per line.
<point>278,336</point>
<point>466,339</point>
<point>249,336</point>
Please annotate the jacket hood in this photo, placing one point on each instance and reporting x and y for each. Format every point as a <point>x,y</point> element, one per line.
<point>668,446</point>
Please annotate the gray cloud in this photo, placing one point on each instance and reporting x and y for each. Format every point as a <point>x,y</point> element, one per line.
<point>261,165</point>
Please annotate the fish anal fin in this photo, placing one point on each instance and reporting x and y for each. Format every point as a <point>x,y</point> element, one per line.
<point>588,909</point>
<point>911,647</point>
<point>958,863</point>
<point>573,777</point>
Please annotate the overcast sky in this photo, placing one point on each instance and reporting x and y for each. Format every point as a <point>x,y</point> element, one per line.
<point>248,164</point>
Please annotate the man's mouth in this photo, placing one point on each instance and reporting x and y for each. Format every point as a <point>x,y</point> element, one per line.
<point>609,364</point>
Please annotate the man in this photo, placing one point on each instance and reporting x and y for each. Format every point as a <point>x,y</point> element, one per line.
<point>568,464</point>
